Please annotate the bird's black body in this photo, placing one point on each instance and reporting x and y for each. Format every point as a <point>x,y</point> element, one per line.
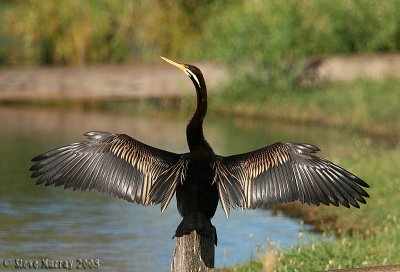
<point>197,199</point>
<point>121,166</point>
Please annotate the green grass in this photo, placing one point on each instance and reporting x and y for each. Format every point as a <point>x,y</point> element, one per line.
<point>364,105</point>
<point>346,252</point>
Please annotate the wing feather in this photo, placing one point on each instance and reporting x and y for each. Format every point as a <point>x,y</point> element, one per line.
<point>285,172</point>
<point>114,164</point>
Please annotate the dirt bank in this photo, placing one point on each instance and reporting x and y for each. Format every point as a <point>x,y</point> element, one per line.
<point>101,82</point>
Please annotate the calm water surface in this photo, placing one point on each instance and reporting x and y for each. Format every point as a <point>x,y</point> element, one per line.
<point>47,222</point>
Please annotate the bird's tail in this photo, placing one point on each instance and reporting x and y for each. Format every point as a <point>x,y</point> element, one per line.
<point>198,222</point>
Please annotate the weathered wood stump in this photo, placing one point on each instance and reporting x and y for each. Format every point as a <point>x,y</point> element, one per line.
<point>193,253</point>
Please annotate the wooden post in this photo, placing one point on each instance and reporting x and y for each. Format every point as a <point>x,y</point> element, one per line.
<point>193,253</point>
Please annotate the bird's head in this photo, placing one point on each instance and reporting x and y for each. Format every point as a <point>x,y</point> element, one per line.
<point>191,71</point>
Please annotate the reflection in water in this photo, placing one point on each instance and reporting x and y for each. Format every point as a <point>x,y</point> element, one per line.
<point>41,222</point>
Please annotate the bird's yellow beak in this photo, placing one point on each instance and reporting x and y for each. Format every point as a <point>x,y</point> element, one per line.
<point>180,66</point>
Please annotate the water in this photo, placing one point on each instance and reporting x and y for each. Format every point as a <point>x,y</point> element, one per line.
<point>46,222</point>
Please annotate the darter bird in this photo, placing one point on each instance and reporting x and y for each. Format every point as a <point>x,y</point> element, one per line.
<point>120,166</point>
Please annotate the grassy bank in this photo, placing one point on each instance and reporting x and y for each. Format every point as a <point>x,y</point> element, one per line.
<point>366,237</point>
<point>367,106</point>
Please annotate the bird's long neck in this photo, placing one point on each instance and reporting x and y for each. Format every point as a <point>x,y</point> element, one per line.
<point>194,130</point>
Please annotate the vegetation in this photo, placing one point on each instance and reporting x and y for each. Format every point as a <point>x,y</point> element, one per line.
<point>302,28</point>
<point>368,106</point>
<point>261,32</point>
<point>79,32</point>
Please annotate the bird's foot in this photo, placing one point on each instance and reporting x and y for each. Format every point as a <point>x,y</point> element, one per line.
<point>198,222</point>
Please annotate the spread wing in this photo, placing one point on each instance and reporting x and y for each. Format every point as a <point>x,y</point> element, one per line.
<point>114,164</point>
<point>285,172</point>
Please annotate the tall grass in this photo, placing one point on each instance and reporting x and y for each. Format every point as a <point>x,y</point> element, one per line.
<point>266,31</point>
<point>78,32</point>
<point>68,32</point>
<point>260,32</point>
